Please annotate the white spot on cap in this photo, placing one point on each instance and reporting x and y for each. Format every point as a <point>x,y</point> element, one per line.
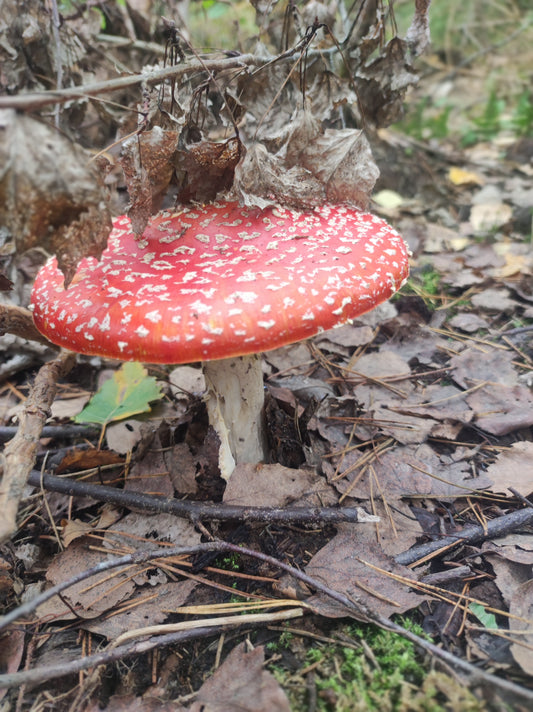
<point>154,316</point>
<point>266,324</point>
<point>200,307</point>
<point>106,323</point>
<point>142,331</point>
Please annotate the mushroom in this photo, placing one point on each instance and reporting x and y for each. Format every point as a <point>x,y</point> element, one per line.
<point>219,283</point>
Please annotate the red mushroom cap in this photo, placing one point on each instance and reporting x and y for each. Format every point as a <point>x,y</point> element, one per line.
<point>217,281</point>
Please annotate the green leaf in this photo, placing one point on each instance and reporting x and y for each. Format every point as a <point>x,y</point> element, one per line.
<point>127,393</point>
<point>487,619</point>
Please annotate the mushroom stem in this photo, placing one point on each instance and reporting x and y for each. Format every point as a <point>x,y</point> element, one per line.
<point>235,400</point>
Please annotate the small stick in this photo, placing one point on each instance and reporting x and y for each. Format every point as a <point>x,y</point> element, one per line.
<point>19,321</point>
<point>36,100</point>
<point>469,535</point>
<point>20,453</point>
<point>192,510</point>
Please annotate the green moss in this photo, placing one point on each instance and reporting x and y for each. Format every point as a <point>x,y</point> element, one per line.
<point>383,672</point>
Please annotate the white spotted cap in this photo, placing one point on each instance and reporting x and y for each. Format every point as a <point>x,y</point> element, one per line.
<point>217,281</point>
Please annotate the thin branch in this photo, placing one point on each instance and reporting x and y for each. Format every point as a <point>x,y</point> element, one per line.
<point>193,510</point>
<point>20,453</point>
<point>19,321</point>
<point>36,100</point>
<point>66,431</point>
<point>50,672</point>
<point>472,534</point>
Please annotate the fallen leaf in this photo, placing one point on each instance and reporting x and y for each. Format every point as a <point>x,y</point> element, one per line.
<point>102,593</point>
<point>501,409</point>
<point>128,392</point>
<point>461,177</point>
<point>486,217</point>
<point>475,365</point>
<point>11,653</point>
<point>267,485</point>
<point>513,468</point>
<point>241,683</point>
<point>521,608</point>
<point>148,606</point>
<point>495,300</point>
<point>389,199</point>
<point>343,565</point>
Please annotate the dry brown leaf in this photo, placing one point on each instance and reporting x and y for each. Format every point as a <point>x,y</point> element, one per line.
<point>513,468</point>
<point>404,428</point>
<point>307,166</point>
<point>474,365</point>
<point>241,683</point>
<point>50,195</point>
<point>342,565</point>
<point>382,84</point>
<point>262,179</point>
<point>468,322</point>
<point>150,605</point>
<point>206,169</point>
<point>397,529</point>
<point>140,531</point>
<point>150,474</point>
<point>501,409</point>
<point>147,162</point>
<point>342,161</point>
<point>103,592</point>
<point>495,300</point>
<point>509,574</point>
<point>74,529</point>
<point>486,217</point>
<point>522,607</point>
<point>267,485</point>
<point>408,471</point>
<point>83,458</point>
<point>11,653</point>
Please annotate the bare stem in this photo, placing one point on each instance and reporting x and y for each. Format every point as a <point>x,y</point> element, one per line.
<point>20,453</point>
<point>32,101</point>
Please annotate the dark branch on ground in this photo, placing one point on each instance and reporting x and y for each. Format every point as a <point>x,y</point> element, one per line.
<point>195,511</point>
<point>472,534</point>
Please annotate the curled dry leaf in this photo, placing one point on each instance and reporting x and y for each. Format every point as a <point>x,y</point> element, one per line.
<point>261,179</point>
<point>146,160</point>
<point>241,683</point>
<point>311,166</point>
<point>207,168</point>
<point>418,36</point>
<point>50,196</point>
<point>381,85</point>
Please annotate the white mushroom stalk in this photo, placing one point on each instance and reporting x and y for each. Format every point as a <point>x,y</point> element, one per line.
<point>217,282</point>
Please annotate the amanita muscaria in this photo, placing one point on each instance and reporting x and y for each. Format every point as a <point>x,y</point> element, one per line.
<point>219,283</point>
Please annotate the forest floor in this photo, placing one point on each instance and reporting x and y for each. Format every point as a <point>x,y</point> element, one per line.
<point>420,413</point>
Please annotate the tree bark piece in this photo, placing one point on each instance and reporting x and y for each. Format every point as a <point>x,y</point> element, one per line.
<point>20,453</point>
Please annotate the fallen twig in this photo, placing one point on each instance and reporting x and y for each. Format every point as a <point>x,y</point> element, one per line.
<point>20,453</point>
<point>32,101</point>
<point>66,431</point>
<point>193,510</point>
<point>468,535</point>
<point>19,321</point>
